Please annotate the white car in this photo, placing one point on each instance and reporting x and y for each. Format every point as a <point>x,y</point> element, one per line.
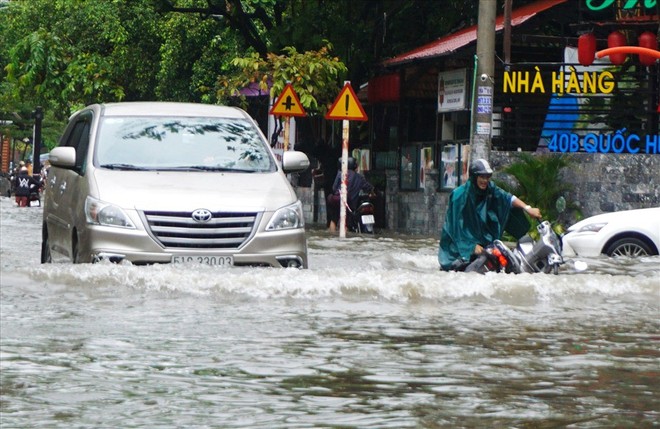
<point>628,233</point>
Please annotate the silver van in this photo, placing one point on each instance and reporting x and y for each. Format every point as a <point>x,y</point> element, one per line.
<point>159,182</point>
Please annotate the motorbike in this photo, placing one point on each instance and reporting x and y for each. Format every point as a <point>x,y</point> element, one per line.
<point>35,191</point>
<point>35,195</point>
<point>541,256</point>
<point>362,219</point>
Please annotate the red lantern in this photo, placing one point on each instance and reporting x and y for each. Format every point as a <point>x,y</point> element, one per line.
<point>647,40</point>
<point>384,88</point>
<point>586,49</point>
<point>615,39</point>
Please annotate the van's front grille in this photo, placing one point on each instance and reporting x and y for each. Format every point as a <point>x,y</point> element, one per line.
<point>180,230</point>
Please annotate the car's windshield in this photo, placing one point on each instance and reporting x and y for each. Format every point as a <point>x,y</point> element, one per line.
<point>181,143</point>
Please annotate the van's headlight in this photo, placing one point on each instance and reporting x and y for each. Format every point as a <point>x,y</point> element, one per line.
<point>99,213</point>
<point>288,217</point>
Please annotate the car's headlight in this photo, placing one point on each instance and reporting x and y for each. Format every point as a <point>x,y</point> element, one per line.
<point>593,227</point>
<point>288,217</point>
<point>99,213</point>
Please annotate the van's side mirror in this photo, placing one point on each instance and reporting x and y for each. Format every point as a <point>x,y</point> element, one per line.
<point>294,161</point>
<point>63,157</point>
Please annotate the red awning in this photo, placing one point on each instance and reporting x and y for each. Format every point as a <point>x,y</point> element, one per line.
<point>448,44</point>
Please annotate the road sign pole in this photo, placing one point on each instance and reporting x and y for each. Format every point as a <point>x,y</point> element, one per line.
<point>287,120</point>
<point>346,107</point>
<point>344,178</point>
<point>287,105</point>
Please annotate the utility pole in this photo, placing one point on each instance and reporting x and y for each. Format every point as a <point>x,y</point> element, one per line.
<point>482,100</point>
<point>36,140</point>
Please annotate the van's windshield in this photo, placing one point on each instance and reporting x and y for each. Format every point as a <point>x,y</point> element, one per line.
<point>181,143</point>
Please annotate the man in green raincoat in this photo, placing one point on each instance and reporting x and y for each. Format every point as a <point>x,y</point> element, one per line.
<point>477,214</point>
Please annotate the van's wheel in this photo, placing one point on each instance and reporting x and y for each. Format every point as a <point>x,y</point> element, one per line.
<point>46,257</point>
<point>75,251</point>
<point>629,247</point>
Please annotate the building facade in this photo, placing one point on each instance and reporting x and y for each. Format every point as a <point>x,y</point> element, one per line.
<point>552,93</point>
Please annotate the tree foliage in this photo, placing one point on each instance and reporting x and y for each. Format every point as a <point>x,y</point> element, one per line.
<point>314,75</point>
<point>361,31</point>
<point>538,182</point>
<point>193,52</point>
<point>64,54</point>
<point>251,18</point>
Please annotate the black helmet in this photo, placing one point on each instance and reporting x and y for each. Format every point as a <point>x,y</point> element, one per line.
<point>480,167</point>
<point>352,163</point>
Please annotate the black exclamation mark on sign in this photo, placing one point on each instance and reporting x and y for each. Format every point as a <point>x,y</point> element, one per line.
<point>346,104</point>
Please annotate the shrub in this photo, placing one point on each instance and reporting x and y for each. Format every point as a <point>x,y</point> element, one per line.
<point>537,182</point>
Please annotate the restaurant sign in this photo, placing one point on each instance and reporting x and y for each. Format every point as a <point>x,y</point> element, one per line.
<point>627,4</point>
<point>571,124</point>
<point>617,142</point>
<point>560,82</point>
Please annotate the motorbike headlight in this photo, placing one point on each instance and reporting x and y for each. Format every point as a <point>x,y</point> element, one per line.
<point>98,212</point>
<point>593,227</point>
<point>288,217</point>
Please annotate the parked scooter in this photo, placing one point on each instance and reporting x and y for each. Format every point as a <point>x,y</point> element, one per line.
<point>529,256</point>
<point>362,219</point>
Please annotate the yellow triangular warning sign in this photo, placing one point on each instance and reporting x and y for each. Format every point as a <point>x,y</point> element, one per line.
<point>288,104</point>
<point>347,106</point>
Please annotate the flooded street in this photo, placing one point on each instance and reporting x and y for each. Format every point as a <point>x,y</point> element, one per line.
<point>372,335</point>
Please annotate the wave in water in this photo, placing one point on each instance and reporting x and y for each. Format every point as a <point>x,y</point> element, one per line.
<point>401,284</point>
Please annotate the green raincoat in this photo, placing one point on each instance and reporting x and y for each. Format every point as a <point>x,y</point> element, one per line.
<point>477,217</point>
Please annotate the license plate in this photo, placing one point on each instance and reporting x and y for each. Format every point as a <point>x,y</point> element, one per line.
<point>367,219</point>
<point>225,261</point>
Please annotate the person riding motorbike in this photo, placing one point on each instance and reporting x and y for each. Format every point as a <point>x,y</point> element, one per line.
<point>478,213</point>
<point>356,183</point>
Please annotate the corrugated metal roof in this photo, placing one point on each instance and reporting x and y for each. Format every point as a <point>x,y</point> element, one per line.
<point>448,44</point>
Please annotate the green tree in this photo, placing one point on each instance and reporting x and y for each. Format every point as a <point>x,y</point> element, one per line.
<point>361,31</point>
<point>314,75</point>
<point>287,40</point>
<point>194,51</point>
<point>250,18</point>
<point>63,54</point>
